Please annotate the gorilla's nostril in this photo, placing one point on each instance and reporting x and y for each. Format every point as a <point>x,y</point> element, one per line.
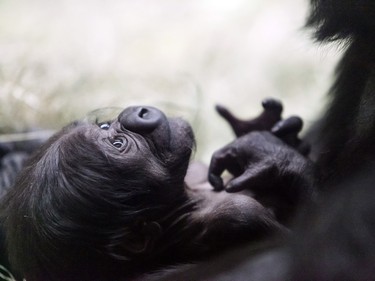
<point>143,113</point>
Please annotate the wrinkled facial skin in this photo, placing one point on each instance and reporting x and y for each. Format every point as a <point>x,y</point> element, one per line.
<point>140,129</point>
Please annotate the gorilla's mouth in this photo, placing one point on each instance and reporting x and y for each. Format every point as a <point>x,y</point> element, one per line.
<point>181,135</point>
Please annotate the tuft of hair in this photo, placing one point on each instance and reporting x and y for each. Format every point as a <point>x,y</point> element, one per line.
<point>342,19</point>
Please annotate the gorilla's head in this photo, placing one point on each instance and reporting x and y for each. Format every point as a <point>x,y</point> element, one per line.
<point>97,195</point>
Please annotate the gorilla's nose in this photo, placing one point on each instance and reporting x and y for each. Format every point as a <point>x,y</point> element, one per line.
<point>141,119</point>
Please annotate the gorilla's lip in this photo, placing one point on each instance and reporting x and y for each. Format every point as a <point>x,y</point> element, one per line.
<point>172,139</point>
<point>181,135</point>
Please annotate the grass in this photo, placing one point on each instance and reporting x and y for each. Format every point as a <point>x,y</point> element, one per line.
<point>61,59</point>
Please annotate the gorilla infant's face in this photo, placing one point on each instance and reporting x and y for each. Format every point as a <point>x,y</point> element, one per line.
<point>138,149</point>
<point>142,131</point>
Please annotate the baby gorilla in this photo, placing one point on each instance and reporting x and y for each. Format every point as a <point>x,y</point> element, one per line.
<point>108,201</point>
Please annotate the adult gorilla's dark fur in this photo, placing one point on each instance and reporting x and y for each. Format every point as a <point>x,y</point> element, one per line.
<point>108,201</point>
<point>334,238</point>
<point>344,140</point>
<point>338,242</point>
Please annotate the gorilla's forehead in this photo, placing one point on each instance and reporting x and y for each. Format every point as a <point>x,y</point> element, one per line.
<point>102,115</point>
<point>80,130</point>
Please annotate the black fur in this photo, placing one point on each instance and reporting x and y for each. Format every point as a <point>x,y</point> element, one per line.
<point>336,239</point>
<point>342,19</point>
<point>343,143</point>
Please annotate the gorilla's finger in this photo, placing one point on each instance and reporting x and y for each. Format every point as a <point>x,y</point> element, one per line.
<point>216,181</point>
<point>219,163</point>
<point>273,105</point>
<point>290,126</point>
<point>253,178</point>
<point>227,115</point>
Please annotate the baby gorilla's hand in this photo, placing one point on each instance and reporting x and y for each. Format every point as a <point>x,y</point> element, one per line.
<point>271,114</point>
<point>279,177</point>
<point>257,160</point>
<point>267,158</point>
<point>269,120</point>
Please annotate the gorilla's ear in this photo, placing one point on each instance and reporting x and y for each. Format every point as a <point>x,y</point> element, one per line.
<point>142,240</point>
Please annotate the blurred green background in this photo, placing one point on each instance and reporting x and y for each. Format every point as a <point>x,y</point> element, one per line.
<point>61,59</point>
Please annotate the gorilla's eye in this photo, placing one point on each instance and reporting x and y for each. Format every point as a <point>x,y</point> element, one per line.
<point>104,126</point>
<point>118,143</point>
